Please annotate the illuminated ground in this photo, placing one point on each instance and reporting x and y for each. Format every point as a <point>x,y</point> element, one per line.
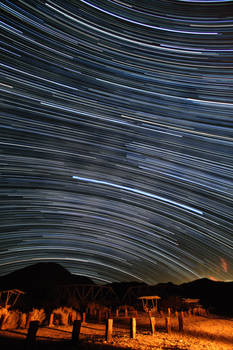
<point>200,333</point>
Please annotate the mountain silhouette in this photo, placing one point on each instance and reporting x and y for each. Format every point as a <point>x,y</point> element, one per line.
<point>41,275</point>
<point>213,295</point>
<point>50,283</point>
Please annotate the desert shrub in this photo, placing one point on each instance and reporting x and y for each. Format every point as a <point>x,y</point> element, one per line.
<point>11,320</point>
<point>72,316</point>
<point>22,320</point>
<point>38,315</point>
<point>16,319</point>
<point>62,315</point>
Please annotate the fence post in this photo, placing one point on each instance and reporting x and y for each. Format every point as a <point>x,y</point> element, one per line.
<point>168,324</point>
<point>181,321</point>
<point>31,336</point>
<point>28,319</point>
<point>91,310</point>
<point>2,320</point>
<point>51,320</point>
<point>84,317</point>
<point>117,313</point>
<point>76,330</point>
<point>126,311</point>
<point>133,327</point>
<point>108,331</point>
<point>152,325</point>
<point>99,315</point>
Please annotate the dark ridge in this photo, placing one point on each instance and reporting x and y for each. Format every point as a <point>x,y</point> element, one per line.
<point>50,283</point>
<point>39,276</point>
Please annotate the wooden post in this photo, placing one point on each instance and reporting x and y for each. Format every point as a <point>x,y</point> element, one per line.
<point>99,315</point>
<point>76,330</point>
<point>180,321</point>
<point>169,312</point>
<point>108,331</point>
<point>31,336</point>
<point>51,320</point>
<point>2,320</point>
<point>28,319</point>
<point>22,321</point>
<point>168,324</point>
<point>90,310</point>
<point>133,327</point>
<point>152,325</point>
<point>117,313</point>
<point>84,317</point>
<point>126,311</point>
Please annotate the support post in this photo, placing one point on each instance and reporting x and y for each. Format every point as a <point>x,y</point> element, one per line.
<point>133,327</point>
<point>91,310</point>
<point>108,331</point>
<point>99,315</point>
<point>181,321</point>
<point>2,320</point>
<point>126,311</point>
<point>51,320</point>
<point>28,319</point>
<point>84,317</point>
<point>152,325</point>
<point>168,324</point>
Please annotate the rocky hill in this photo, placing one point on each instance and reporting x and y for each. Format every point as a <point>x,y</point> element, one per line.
<point>41,275</point>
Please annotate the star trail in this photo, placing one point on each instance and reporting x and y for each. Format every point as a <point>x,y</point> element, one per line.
<point>116,147</point>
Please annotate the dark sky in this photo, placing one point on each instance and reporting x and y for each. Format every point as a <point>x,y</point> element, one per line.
<point>116,147</point>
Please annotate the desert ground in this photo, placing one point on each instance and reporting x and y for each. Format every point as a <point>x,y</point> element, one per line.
<point>200,333</point>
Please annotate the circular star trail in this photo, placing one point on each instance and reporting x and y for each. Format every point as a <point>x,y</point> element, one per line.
<point>116,147</point>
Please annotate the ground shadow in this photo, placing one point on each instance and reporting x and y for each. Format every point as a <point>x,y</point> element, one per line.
<point>19,344</point>
<point>58,329</point>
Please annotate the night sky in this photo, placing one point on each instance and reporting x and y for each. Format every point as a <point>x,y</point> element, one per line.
<point>116,138</point>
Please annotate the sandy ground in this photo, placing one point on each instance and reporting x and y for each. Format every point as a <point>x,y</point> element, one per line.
<point>200,333</point>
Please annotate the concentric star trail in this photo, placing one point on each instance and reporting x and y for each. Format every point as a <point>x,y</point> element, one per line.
<point>116,147</point>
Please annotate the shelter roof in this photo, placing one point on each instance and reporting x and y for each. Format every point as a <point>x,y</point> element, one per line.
<point>150,297</point>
